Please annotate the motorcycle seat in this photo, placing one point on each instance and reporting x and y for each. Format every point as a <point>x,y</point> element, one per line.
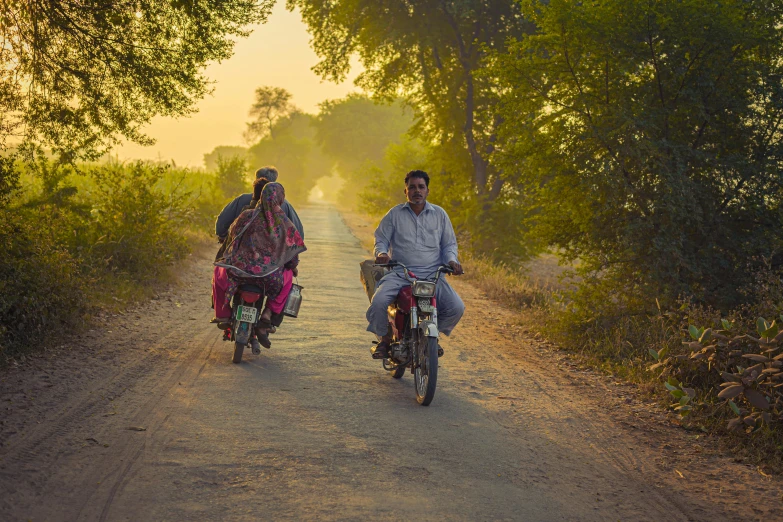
<point>251,288</point>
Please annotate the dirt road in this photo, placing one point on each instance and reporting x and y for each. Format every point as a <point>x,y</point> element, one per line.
<point>146,418</point>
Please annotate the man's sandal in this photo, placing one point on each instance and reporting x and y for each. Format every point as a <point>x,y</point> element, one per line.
<point>266,325</point>
<point>380,350</point>
<point>263,338</point>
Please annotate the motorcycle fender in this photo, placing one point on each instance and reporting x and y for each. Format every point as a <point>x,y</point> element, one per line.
<point>242,332</point>
<point>428,328</point>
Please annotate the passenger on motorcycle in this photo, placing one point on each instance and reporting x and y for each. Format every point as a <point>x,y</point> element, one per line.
<point>231,211</point>
<point>262,248</point>
<point>419,235</point>
<point>224,220</point>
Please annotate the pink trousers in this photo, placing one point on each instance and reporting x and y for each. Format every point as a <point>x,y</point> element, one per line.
<point>220,285</point>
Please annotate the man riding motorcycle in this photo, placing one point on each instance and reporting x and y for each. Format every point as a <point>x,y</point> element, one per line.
<point>419,235</point>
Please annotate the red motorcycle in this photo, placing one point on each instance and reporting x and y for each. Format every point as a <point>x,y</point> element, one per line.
<point>246,307</point>
<point>413,319</point>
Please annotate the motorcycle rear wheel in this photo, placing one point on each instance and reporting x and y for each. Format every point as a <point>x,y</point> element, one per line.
<point>396,371</point>
<point>239,349</point>
<point>425,373</point>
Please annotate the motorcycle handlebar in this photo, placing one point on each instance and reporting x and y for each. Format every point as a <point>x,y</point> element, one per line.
<point>446,269</point>
<point>390,264</point>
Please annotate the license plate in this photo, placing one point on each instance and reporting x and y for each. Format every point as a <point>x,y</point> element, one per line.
<point>425,306</point>
<point>247,314</point>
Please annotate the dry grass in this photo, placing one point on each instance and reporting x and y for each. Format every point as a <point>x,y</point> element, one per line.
<point>545,272</point>
<point>508,285</point>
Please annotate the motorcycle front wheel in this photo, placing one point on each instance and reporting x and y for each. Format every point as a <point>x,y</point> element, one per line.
<point>425,373</point>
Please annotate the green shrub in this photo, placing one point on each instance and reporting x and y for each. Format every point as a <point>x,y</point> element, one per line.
<point>733,360</point>
<point>73,230</point>
<point>232,176</point>
<point>136,228</point>
<point>41,288</point>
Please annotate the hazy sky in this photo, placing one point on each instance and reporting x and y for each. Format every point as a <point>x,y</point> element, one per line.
<point>277,53</point>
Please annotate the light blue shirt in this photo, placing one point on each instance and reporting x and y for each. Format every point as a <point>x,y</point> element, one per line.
<point>422,243</point>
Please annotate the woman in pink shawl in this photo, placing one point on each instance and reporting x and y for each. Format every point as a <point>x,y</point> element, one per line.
<point>262,244</point>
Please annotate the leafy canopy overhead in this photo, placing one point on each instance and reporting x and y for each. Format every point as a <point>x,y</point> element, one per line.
<point>431,53</point>
<point>78,76</point>
<point>427,51</point>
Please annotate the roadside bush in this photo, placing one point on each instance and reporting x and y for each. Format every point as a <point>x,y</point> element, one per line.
<point>719,371</point>
<point>232,175</point>
<point>730,366</point>
<point>74,229</point>
<point>136,228</point>
<point>42,289</point>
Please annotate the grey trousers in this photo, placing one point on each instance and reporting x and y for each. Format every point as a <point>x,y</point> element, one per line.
<point>450,306</point>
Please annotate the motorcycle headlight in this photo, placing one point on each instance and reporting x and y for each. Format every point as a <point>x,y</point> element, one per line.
<point>423,289</point>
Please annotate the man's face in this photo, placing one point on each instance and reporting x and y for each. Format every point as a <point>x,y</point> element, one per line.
<point>416,191</point>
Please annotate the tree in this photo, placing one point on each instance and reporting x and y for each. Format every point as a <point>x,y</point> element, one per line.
<point>650,134</point>
<point>271,107</point>
<point>356,129</point>
<point>295,154</point>
<point>386,178</point>
<point>354,132</point>
<point>223,152</point>
<point>232,175</point>
<point>431,52</point>
<point>78,76</point>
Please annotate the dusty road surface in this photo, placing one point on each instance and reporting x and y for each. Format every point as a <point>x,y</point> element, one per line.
<point>146,418</point>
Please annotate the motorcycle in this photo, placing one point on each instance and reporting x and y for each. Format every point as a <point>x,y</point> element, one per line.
<point>246,307</point>
<point>413,320</point>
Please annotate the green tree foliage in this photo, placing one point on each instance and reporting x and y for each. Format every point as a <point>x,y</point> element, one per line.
<point>430,52</point>
<point>292,149</point>
<point>270,111</point>
<point>648,136</point>
<point>77,76</point>
<point>354,132</point>
<point>356,129</point>
<point>387,178</point>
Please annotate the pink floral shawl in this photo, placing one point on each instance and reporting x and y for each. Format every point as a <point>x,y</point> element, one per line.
<point>263,239</point>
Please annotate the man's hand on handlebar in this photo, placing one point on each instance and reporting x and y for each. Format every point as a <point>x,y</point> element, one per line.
<point>456,267</point>
<point>382,259</point>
